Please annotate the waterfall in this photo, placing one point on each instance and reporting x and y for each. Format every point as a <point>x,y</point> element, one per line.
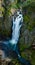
<point>17,23</point>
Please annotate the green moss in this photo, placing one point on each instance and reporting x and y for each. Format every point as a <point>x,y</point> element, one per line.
<point>26,19</point>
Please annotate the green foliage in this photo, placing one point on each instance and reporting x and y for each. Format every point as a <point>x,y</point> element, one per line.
<point>26,19</point>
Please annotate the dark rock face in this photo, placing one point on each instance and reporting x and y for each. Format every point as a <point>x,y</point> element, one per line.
<point>10,63</point>
<point>5,28</point>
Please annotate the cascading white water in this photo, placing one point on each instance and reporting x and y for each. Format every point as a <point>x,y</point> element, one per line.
<point>17,23</point>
